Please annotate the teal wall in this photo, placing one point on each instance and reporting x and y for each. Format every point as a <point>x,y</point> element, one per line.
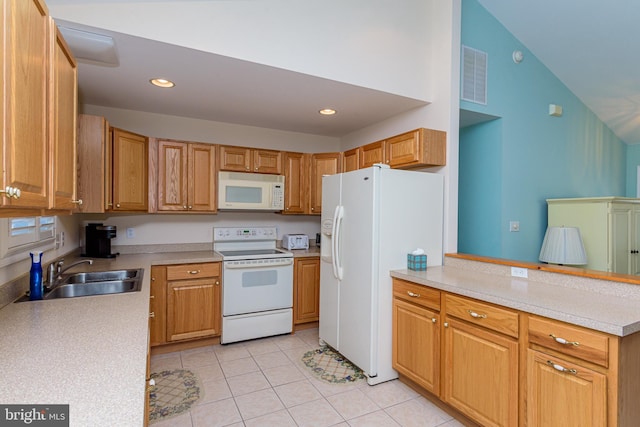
<point>633,161</point>
<point>511,165</point>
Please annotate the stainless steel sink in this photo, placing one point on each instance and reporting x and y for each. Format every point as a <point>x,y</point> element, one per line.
<point>101,276</point>
<point>93,288</point>
<point>94,283</point>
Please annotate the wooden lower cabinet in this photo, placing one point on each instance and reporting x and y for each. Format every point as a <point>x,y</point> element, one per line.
<point>185,302</point>
<point>416,344</point>
<point>502,367</point>
<point>481,373</point>
<point>563,393</point>
<point>306,290</point>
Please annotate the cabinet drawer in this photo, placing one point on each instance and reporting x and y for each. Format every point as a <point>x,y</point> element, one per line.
<point>572,340</point>
<point>193,271</point>
<point>416,294</point>
<point>483,314</point>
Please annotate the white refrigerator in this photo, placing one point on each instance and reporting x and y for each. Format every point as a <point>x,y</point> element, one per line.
<point>371,219</point>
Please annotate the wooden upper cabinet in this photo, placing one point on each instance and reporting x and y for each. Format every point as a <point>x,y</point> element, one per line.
<point>24,71</point>
<point>63,107</point>
<point>418,148</point>
<point>172,176</point>
<point>94,172</point>
<point>242,159</point>
<point>267,161</point>
<point>295,183</point>
<point>321,164</point>
<point>351,160</point>
<point>186,177</point>
<point>371,154</point>
<point>202,179</point>
<point>236,159</point>
<point>130,171</point>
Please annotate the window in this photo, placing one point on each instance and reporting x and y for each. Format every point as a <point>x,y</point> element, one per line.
<point>20,235</point>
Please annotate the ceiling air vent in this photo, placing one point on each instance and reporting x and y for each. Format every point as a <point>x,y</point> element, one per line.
<point>474,75</point>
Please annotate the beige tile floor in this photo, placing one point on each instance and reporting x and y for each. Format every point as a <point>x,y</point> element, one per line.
<point>263,383</point>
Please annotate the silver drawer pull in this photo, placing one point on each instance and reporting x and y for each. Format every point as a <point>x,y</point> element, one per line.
<point>562,368</point>
<point>476,315</point>
<point>413,295</point>
<point>194,271</point>
<point>563,341</point>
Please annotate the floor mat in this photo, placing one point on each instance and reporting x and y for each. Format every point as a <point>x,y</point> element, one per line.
<point>174,392</point>
<point>331,366</point>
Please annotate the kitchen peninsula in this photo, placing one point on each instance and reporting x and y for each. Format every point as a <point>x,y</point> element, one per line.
<point>566,344</point>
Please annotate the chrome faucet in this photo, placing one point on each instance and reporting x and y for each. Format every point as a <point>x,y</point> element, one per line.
<point>55,271</point>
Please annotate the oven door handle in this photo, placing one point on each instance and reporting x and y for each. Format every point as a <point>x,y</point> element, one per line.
<point>233,265</point>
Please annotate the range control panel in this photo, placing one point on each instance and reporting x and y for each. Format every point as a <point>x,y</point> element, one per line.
<point>227,234</point>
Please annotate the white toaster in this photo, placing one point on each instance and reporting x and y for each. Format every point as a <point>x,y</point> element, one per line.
<point>295,241</point>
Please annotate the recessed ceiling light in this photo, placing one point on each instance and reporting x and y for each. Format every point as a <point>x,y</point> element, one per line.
<point>327,111</point>
<point>162,83</point>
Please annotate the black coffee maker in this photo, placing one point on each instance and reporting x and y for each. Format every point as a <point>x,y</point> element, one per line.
<point>98,240</point>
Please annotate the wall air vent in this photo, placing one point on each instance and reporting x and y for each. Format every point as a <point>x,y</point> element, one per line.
<point>474,75</point>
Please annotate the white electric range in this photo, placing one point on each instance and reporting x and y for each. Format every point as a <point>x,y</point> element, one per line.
<point>257,283</point>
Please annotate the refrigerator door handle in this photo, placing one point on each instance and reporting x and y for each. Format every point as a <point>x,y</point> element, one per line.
<point>337,230</point>
<point>333,241</point>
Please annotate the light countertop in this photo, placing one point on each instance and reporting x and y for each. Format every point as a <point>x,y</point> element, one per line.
<point>88,352</point>
<point>603,306</point>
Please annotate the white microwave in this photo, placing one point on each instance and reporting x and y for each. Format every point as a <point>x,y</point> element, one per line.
<point>250,191</point>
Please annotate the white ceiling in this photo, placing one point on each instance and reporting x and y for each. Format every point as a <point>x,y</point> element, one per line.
<point>591,46</point>
<point>219,88</point>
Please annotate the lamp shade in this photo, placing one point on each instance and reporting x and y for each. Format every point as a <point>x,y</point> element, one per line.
<point>563,245</point>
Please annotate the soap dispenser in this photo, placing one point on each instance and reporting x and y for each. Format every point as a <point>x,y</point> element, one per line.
<point>35,276</point>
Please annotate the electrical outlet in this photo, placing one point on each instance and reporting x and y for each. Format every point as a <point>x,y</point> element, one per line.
<point>519,272</point>
<point>61,240</point>
<point>514,226</point>
<point>130,233</point>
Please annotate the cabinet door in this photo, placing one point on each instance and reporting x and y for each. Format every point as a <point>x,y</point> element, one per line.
<point>560,393</point>
<point>421,147</point>
<point>635,242</point>
<point>307,290</point>
<point>158,306</point>
<point>236,159</point>
<point>416,344</point>
<point>94,183</point>
<point>172,176</point>
<point>267,161</point>
<point>193,309</point>
<point>481,373</point>
<point>295,188</point>
<point>321,164</point>
<point>24,159</point>
<point>351,160</point>
<point>62,124</point>
<point>130,171</point>
<point>621,226</point>
<point>371,154</point>
<point>202,178</point>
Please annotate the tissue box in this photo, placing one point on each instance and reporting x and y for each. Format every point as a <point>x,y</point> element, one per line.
<point>417,262</point>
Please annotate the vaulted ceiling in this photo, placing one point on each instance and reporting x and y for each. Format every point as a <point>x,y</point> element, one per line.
<point>590,45</point>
